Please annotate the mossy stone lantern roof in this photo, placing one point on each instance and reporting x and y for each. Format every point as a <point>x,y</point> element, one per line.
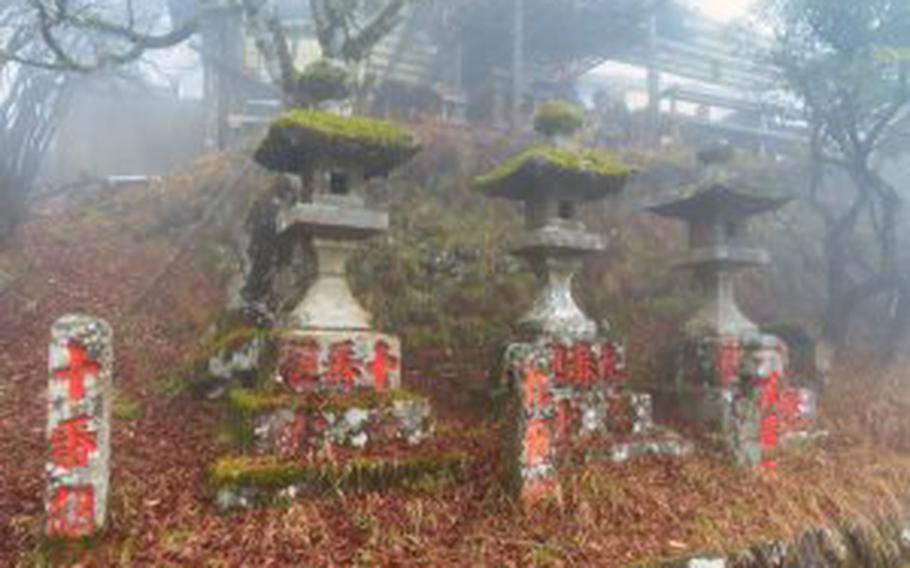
<point>582,175</point>
<point>720,202</point>
<point>721,194</point>
<point>304,139</point>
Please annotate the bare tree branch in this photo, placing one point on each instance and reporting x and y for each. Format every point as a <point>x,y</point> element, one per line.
<point>56,20</point>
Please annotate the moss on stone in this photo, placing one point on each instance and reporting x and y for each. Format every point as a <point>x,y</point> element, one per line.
<point>371,473</point>
<point>584,174</point>
<point>255,402</point>
<point>557,118</point>
<point>322,81</point>
<point>301,140</point>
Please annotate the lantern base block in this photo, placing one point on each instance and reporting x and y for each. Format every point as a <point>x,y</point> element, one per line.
<point>567,404</point>
<point>294,425</point>
<point>316,361</point>
<point>739,390</point>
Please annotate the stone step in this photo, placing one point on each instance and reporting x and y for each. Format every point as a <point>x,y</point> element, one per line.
<point>621,449</point>
<point>243,482</point>
<point>292,424</point>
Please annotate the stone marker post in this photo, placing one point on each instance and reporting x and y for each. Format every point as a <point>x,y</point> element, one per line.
<point>78,426</point>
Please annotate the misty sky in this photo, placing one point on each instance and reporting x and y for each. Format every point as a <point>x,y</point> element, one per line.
<point>722,10</point>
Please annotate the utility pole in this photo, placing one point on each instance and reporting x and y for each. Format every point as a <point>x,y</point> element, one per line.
<point>518,61</point>
<point>222,55</point>
<point>653,79</point>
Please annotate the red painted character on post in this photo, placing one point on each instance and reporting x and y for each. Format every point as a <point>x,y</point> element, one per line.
<point>72,443</point>
<point>80,367</point>
<point>343,368</point>
<point>770,422</point>
<point>535,390</point>
<point>300,365</point>
<point>71,512</point>
<point>537,443</point>
<point>383,363</point>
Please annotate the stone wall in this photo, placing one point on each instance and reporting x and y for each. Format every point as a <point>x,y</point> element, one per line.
<point>861,542</point>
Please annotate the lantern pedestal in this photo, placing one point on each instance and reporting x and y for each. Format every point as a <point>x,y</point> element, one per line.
<point>731,377</point>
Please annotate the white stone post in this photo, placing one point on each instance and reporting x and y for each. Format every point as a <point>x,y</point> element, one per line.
<point>78,426</point>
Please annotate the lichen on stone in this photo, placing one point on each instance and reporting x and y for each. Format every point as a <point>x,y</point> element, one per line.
<point>584,174</point>
<point>558,118</point>
<point>302,140</point>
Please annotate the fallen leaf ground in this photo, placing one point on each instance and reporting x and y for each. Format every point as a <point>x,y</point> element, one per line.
<point>162,513</point>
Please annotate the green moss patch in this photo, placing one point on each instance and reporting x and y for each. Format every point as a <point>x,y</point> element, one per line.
<point>557,118</point>
<point>322,81</point>
<point>302,140</point>
<point>541,170</point>
<point>359,474</point>
<point>256,402</point>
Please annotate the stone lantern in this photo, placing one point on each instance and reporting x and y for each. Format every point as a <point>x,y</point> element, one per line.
<point>555,241</point>
<point>336,156</point>
<point>717,211</point>
<point>563,375</point>
<point>338,380</point>
<point>731,374</point>
<point>554,182</point>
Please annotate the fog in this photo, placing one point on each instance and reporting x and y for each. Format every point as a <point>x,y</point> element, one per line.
<point>454,282</point>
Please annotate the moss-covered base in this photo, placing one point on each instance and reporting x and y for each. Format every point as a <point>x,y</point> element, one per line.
<point>248,481</point>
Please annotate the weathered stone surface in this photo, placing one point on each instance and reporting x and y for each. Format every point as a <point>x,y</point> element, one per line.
<point>242,360</point>
<point>78,427</point>
<point>860,542</point>
<point>666,444</point>
<point>336,216</point>
<point>339,361</point>
<point>303,431</point>
<point>567,405</point>
<point>737,387</point>
<point>329,303</point>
